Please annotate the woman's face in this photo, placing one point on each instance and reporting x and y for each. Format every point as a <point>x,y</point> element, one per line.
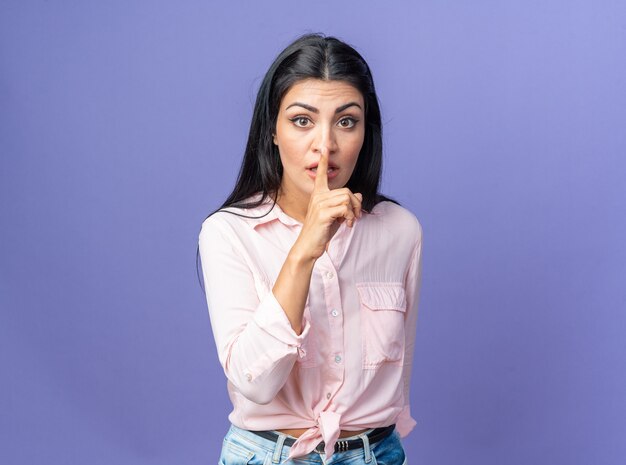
<point>315,115</point>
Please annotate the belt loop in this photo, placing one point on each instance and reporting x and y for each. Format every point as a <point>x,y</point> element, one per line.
<point>278,448</point>
<point>366,447</point>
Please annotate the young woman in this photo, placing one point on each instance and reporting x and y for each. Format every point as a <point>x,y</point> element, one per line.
<point>312,276</point>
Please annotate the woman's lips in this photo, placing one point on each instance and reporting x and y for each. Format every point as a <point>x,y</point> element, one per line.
<point>331,173</point>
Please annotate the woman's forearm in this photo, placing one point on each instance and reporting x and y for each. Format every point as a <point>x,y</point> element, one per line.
<point>292,286</point>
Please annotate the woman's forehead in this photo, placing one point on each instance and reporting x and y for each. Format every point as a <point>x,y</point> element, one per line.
<point>321,91</point>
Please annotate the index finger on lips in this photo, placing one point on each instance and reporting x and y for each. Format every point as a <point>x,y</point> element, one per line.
<point>321,176</point>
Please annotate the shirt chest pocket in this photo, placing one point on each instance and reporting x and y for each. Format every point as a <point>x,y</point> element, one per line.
<point>382,306</point>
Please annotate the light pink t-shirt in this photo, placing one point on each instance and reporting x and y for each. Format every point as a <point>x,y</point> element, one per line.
<point>350,367</point>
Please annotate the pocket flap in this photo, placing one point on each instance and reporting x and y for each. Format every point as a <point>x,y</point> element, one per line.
<point>382,296</point>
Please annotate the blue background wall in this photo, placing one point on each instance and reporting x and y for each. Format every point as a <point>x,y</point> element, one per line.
<point>122,125</point>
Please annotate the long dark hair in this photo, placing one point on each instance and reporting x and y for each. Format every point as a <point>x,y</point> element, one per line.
<point>309,56</point>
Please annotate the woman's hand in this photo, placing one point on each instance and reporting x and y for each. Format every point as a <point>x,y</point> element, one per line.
<point>326,211</point>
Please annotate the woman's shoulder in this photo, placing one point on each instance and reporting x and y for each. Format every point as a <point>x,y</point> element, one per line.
<point>398,218</point>
<point>234,216</point>
<point>225,218</point>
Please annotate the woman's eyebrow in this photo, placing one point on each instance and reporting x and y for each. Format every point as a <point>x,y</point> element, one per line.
<point>315,110</point>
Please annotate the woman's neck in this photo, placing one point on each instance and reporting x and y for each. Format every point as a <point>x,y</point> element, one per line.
<point>293,206</point>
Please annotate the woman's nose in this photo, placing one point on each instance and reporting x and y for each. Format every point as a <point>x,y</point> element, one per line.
<point>325,139</point>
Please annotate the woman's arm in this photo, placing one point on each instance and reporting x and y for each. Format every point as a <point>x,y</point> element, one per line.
<point>413,280</point>
<point>326,211</point>
<point>256,342</point>
<point>292,286</point>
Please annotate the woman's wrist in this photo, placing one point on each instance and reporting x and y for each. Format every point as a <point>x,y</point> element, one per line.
<point>300,259</point>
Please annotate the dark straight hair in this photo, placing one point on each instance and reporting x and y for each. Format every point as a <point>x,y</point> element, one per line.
<point>310,56</point>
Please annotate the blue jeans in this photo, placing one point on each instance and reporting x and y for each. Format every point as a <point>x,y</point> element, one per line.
<point>242,447</point>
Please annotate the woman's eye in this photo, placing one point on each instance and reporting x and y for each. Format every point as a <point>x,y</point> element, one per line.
<point>299,119</point>
<point>352,122</point>
<point>346,123</point>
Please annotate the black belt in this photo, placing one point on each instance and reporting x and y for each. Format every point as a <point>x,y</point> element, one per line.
<point>341,445</point>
